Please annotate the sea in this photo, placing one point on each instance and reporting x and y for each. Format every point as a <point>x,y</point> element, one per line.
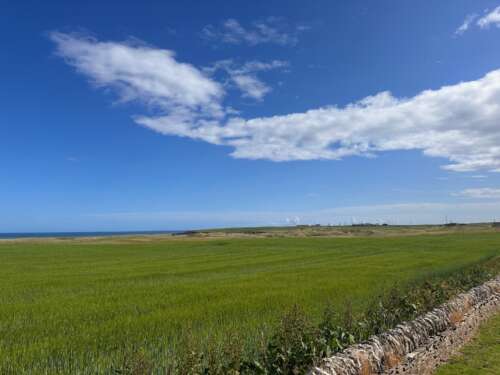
<point>83,234</point>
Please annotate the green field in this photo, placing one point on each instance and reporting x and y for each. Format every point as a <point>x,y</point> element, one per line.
<point>481,356</point>
<point>70,305</point>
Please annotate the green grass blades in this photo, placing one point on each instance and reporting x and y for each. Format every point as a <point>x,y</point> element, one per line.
<point>95,306</point>
<point>481,356</point>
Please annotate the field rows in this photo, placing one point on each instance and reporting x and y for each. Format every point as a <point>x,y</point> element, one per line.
<point>69,305</point>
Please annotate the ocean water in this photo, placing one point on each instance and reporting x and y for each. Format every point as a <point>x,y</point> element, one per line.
<point>82,234</point>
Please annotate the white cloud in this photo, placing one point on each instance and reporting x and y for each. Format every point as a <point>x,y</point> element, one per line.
<point>482,193</point>
<point>466,24</point>
<point>271,30</point>
<point>491,18</point>
<point>251,86</point>
<point>140,72</point>
<point>484,22</point>
<point>244,77</point>
<point>459,122</point>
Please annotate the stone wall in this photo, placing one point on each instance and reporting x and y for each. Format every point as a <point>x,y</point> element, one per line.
<point>419,346</point>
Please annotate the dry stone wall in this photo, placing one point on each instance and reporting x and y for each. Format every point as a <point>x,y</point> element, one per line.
<point>419,346</point>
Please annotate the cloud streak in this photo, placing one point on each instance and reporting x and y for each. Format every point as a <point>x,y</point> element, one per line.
<point>480,193</point>
<point>244,77</point>
<point>491,18</point>
<point>459,123</point>
<point>137,72</point>
<point>272,30</point>
<point>466,24</point>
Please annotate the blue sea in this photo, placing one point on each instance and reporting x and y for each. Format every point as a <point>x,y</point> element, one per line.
<point>82,234</point>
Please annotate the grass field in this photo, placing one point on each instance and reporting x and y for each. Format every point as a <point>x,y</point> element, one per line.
<point>71,305</point>
<point>481,357</point>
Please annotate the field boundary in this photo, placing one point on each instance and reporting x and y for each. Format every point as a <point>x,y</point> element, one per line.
<point>420,346</point>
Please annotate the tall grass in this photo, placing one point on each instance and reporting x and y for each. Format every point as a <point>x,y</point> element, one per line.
<point>297,344</point>
<point>123,306</point>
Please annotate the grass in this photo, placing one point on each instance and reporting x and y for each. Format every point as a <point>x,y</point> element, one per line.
<point>481,356</point>
<point>86,306</point>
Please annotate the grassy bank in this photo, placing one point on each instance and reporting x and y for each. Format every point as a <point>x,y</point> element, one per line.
<point>481,356</point>
<point>73,305</point>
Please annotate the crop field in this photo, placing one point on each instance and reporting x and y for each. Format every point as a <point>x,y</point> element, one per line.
<point>82,306</point>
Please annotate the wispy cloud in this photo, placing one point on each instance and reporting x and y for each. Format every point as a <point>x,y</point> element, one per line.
<point>491,18</point>
<point>457,122</point>
<point>270,30</point>
<point>244,77</point>
<point>466,24</point>
<point>481,193</point>
<point>139,72</point>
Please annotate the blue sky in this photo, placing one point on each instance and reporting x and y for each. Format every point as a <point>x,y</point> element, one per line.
<point>126,115</point>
